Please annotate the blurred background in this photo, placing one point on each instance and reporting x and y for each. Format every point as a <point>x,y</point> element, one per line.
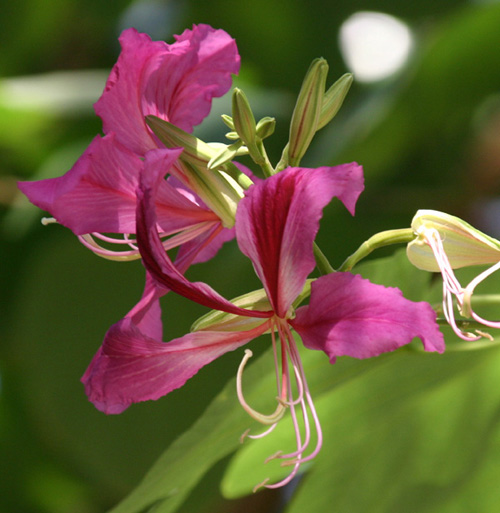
<point>423,118</point>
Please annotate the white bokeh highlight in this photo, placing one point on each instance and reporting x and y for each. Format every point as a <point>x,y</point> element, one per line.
<point>374,45</point>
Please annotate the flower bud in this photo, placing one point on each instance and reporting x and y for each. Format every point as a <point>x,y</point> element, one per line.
<point>333,99</point>
<point>462,243</point>
<point>307,111</point>
<point>196,152</point>
<point>243,118</point>
<point>265,127</point>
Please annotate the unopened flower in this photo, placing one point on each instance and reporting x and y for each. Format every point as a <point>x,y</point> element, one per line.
<point>276,224</point>
<point>443,243</point>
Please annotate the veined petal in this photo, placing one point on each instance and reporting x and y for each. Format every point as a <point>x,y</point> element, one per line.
<point>174,209</point>
<point>97,194</point>
<point>157,261</point>
<point>131,367</point>
<point>207,245</point>
<point>146,314</point>
<point>175,82</point>
<point>348,315</point>
<point>277,222</point>
<point>208,75</point>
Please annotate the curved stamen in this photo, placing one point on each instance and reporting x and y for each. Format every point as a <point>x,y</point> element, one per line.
<point>261,435</point>
<point>263,419</point>
<point>296,458</point>
<point>451,286</point>
<point>88,240</point>
<point>469,290</point>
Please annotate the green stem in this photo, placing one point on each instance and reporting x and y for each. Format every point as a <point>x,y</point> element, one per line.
<point>379,240</point>
<point>485,299</point>
<point>322,263</point>
<point>263,160</point>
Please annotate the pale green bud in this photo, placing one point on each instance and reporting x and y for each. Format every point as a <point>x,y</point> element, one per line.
<point>243,118</point>
<point>307,111</point>
<point>196,152</point>
<point>333,99</point>
<point>265,127</point>
<point>463,244</point>
<point>228,120</point>
<point>233,136</point>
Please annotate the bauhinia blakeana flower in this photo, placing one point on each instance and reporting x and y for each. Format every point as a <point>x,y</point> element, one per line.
<point>276,224</point>
<point>174,82</point>
<point>443,243</point>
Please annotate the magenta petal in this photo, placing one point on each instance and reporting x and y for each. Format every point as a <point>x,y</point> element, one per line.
<point>277,222</point>
<point>174,82</point>
<point>205,246</point>
<point>175,210</point>
<point>131,367</point>
<point>97,194</point>
<point>348,315</point>
<point>205,77</point>
<point>157,261</point>
<point>146,314</point>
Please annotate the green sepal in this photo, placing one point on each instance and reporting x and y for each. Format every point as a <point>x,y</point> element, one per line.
<point>222,321</point>
<point>219,192</point>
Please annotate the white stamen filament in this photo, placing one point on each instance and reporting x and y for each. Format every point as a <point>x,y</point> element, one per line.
<point>260,417</point>
<point>88,240</point>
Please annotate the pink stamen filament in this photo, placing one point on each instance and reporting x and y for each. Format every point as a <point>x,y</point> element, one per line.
<point>289,355</point>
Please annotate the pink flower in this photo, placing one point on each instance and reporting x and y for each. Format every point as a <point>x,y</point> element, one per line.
<point>276,224</point>
<point>174,82</point>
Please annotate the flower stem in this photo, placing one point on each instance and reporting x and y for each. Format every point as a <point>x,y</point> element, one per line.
<point>263,160</point>
<point>322,263</point>
<point>379,240</point>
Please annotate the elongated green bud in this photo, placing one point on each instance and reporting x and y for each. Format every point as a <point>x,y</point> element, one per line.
<point>307,111</point>
<point>463,244</point>
<point>243,118</point>
<point>219,189</point>
<point>333,99</point>
<point>195,152</point>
